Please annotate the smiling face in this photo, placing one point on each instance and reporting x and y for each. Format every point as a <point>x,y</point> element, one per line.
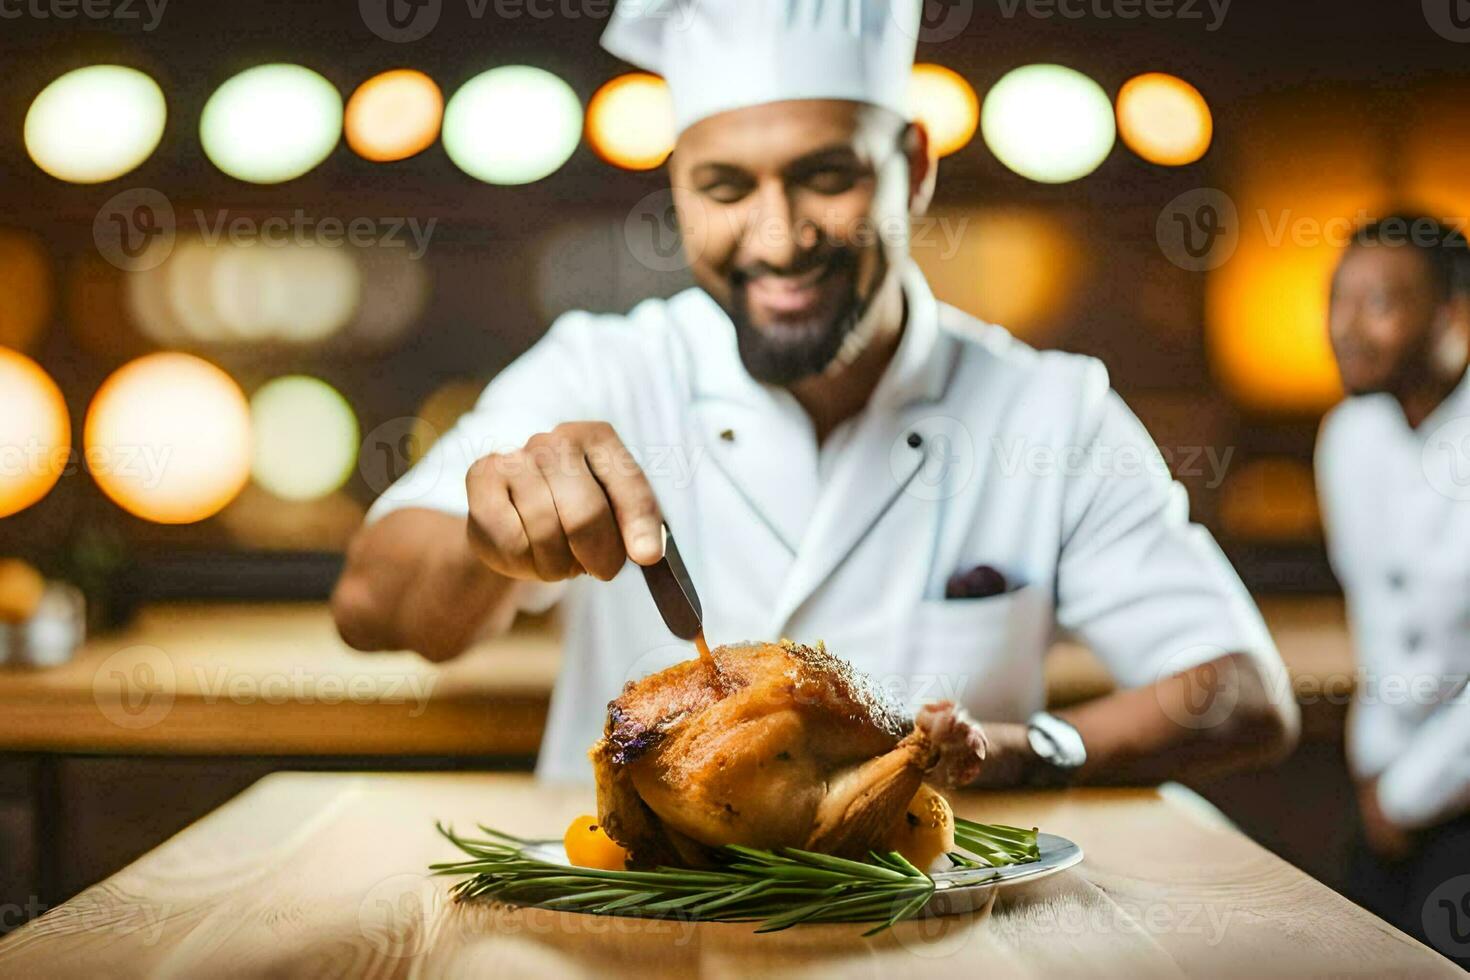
<point>795,216</point>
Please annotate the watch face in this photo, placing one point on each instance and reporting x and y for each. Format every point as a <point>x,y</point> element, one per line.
<point>1056,742</point>
<point>1043,746</point>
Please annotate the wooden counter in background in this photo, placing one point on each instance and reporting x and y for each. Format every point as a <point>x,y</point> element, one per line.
<point>274,679</point>
<point>325,874</point>
<point>219,679</point>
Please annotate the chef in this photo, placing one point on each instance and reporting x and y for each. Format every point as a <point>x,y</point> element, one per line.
<point>840,456</point>
<point>1393,473</point>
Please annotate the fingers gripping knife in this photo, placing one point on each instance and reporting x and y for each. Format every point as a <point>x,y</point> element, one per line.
<point>673,592</point>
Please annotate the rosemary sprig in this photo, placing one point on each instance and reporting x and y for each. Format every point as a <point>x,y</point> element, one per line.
<point>778,890</point>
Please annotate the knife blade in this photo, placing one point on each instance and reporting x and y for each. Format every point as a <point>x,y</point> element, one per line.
<point>673,592</point>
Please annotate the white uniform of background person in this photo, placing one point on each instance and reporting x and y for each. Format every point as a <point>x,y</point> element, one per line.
<point>1396,504</point>
<point>974,449</point>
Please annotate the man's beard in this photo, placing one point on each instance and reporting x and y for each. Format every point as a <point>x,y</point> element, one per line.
<point>792,350</point>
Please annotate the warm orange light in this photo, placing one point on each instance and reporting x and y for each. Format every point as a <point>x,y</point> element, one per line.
<point>1271,499</point>
<point>1266,308</point>
<point>630,121</point>
<point>1164,119</point>
<point>168,438</point>
<point>35,433</point>
<point>1010,266</point>
<point>439,412</point>
<point>25,282</point>
<point>1429,163</point>
<point>394,115</point>
<point>947,106</point>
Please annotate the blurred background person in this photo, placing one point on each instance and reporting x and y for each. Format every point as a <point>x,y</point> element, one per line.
<point>1393,471</point>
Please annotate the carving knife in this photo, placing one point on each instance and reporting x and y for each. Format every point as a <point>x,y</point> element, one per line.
<point>673,592</point>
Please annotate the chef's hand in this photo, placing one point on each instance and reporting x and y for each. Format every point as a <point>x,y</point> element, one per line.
<point>573,500</point>
<point>1009,759</point>
<point>1384,838</point>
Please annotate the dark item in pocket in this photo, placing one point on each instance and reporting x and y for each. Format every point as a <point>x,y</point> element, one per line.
<point>980,582</point>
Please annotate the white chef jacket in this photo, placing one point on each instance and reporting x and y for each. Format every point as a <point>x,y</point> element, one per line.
<point>973,449</point>
<point>1396,506</point>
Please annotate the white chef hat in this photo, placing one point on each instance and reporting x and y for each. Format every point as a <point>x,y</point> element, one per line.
<point>719,55</point>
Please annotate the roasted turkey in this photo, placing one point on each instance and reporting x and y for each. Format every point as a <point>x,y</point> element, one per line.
<point>768,745</point>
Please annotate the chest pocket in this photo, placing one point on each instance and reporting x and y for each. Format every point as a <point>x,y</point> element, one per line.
<point>983,653</point>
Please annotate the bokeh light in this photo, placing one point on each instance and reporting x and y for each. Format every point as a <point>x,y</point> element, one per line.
<point>394,115</point>
<point>306,438</point>
<point>1300,183</point>
<point>1266,326</point>
<point>271,123</point>
<point>1164,119</point>
<point>26,285</point>
<point>35,432</point>
<point>296,292</point>
<point>1048,123</point>
<point>95,123</point>
<point>167,438</point>
<point>630,121</point>
<point>512,125</point>
<point>946,104</point>
<point>1016,267</point>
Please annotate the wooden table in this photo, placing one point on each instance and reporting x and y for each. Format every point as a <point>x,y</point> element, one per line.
<point>323,875</point>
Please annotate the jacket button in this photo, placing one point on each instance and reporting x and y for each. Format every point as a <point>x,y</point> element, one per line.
<point>727,434</point>
<point>1396,580</point>
<point>915,440</point>
<point>1413,640</point>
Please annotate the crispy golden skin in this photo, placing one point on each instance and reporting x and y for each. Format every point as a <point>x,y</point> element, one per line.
<point>775,745</point>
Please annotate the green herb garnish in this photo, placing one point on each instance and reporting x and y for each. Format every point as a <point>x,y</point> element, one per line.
<point>778,890</point>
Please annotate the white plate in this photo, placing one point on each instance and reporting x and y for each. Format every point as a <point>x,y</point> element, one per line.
<point>954,891</point>
<point>969,889</point>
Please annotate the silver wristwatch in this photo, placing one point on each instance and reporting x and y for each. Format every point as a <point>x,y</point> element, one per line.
<point>1058,745</point>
